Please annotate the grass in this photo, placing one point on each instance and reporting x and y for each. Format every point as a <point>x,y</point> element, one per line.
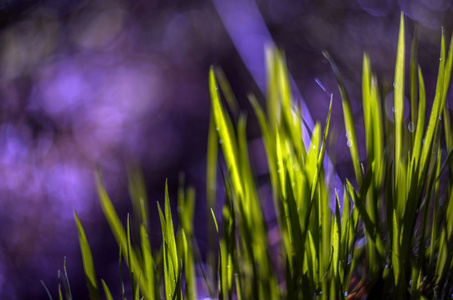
<point>390,235</point>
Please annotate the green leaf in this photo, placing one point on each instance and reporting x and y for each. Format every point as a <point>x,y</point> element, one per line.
<point>129,249</point>
<point>336,238</point>
<point>118,229</point>
<point>171,262</point>
<point>348,120</point>
<point>215,221</point>
<point>87,260</point>
<point>108,294</point>
<point>396,250</point>
<point>434,118</point>
<point>227,91</point>
<point>366,102</point>
<point>398,98</point>
<point>420,123</point>
<point>148,263</point>
<point>413,77</point>
<point>226,134</point>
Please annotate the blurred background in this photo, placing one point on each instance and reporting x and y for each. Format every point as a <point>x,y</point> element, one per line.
<point>112,82</point>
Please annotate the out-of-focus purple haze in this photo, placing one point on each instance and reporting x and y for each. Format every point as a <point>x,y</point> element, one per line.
<point>106,82</point>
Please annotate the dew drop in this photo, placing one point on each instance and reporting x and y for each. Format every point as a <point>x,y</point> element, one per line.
<point>278,170</point>
<point>216,128</point>
<point>296,167</point>
<point>411,126</point>
<point>348,134</point>
<point>220,142</point>
<point>349,259</point>
<point>440,117</point>
<point>345,294</point>
<point>314,146</point>
<point>349,143</point>
<point>394,84</point>
<point>393,109</point>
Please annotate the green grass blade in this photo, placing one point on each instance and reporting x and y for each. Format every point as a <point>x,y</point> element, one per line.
<point>171,262</point>
<point>148,262</point>
<point>348,120</point>
<point>108,294</point>
<point>434,117</point>
<point>416,150</point>
<point>215,221</point>
<point>60,293</point>
<point>336,238</point>
<point>211,164</point>
<point>359,204</point>
<point>120,264</point>
<point>366,103</point>
<point>324,137</point>
<point>227,91</point>
<point>166,259</point>
<point>449,213</point>
<point>226,134</point>
<point>211,189</point>
<point>413,78</point>
<point>398,103</point>
<point>117,228</point>
<point>87,261</point>
<point>395,250</point>
<point>170,230</point>
<point>129,260</point>
<point>273,104</point>
<point>137,190</point>
<point>448,67</point>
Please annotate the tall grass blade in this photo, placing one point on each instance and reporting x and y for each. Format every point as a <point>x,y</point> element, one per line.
<point>398,103</point>
<point>348,120</point>
<point>226,134</point>
<point>47,290</point>
<point>118,230</point>
<point>108,294</point>
<point>87,261</point>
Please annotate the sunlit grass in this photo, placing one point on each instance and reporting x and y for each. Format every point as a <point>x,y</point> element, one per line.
<point>390,235</point>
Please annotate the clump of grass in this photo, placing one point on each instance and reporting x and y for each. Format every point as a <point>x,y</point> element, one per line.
<point>389,235</point>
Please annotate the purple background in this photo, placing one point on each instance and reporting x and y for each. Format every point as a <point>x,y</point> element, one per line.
<point>109,82</point>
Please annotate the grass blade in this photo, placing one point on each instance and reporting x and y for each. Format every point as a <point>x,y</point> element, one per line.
<point>108,294</point>
<point>87,261</point>
<point>348,120</point>
<point>226,134</point>
<point>398,98</point>
<point>47,290</point>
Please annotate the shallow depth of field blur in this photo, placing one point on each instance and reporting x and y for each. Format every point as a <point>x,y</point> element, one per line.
<point>119,83</point>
